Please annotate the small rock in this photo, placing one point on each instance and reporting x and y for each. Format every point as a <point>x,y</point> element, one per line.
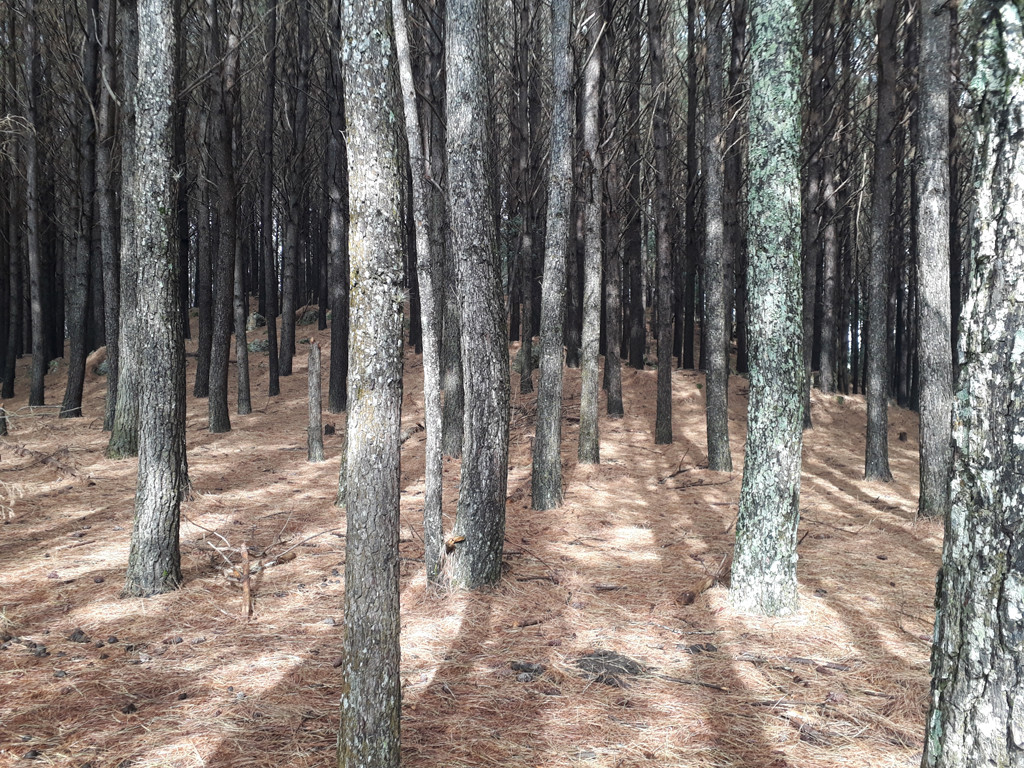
<point>78,636</point>
<point>98,579</point>
<point>328,429</point>
<point>111,640</point>
<point>587,755</point>
<point>40,652</point>
<point>182,696</point>
<point>330,622</point>
<point>60,673</point>
<point>99,643</point>
<point>172,641</point>
<point>529,667</point>
<point>524,677</point>
<point>338,661</point>
<point>32,754</point>
<point>197,640</point>
<point>129,708</point>
<point>104,656</point>
<point>335,573</point>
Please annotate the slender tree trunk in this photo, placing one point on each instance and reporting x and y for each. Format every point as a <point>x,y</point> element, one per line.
<point>205,245</point>
<point>935,354</point>
<point>480,519</point>
<point>977,664</point>
<point>631,246</point>
<point>732,204</point>
<point>876,461</point>
<point>613,219</point>
<point>663,212</point>
<point>124,435</point>
<point>268,254</point>
<point>764,563</point>
<point>315,430</point>
<point>547,456</point>
<point>290,288</point>
<point>36,393</point>
<point>371,699</point>
<point>154,561</point>
<point>689,274</point>
<point>223,281</point>
<point>79,274</point>
<point>337,228</point>
<point>589,444</point>
<point>179,110</point>
<point>241,342</point>
<point>106,209</point>
<point>715,324</point>
<point>426,250</point>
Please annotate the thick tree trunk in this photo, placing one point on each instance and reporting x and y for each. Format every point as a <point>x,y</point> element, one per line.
<point>764,563</point>
<point>935,354</point>
<point>426,250</point>
<point>589,446</point>
<point>371,699</point>
<point>663,212</point>
<point>547,457</point>
<point>978,655</point>
<point>715,323</point>
<point>480,519</point>
<point>154,561</point>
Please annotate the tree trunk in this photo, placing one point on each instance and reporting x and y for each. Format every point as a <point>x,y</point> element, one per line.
<point>732,205</point>
<point>876,460</point>
<point>205,245</point>
<point>589,445</point>
<point>933,304</point>
<point>613,220</point>
<point>78,279</point>
<point>715,323</point>
<point>689,271</point>
<point>124,435</point>
<point>480,518</point>
<point>223,279</point>
<point>977,661</point>
<point>764,563</point>
<point>547,457</point>
<point>663,212</point>
<point>36,393</point>
<point>315,431</point>
<point>154,561</point>
<point>371,699</point>
<point>290,288</point>
<point>337,227</point>
<point>269,254</point>
<point>426,250</point>
<point>106,209</point>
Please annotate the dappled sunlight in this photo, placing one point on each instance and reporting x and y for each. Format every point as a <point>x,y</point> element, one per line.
<point>189,682</point>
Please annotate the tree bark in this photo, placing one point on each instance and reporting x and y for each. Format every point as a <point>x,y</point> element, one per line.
<point>876,460</point>
<point>715,324</point>
<point>37,390</point>
<point>663,212</point>
<point>268,254</point>
<point>978,653</point>
<point>933,302</point>
<point>315,431</point>
<point>78,277</point>
<point>337,227</point>
<point>426,250</point>
<point>371,699</point>
<point>154,561</point>
<point>764,563</point>
<point>124,434</point>
<point>593,169</point>
<point>480,517</point>
<point>547,457</point>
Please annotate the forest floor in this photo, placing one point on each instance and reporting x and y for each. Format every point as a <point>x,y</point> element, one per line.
<point>185,680</point>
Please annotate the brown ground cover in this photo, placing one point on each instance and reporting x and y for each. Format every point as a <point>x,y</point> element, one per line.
<point>190,682</point>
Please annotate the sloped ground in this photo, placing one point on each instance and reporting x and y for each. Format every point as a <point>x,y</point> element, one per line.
<point>190,682</point>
